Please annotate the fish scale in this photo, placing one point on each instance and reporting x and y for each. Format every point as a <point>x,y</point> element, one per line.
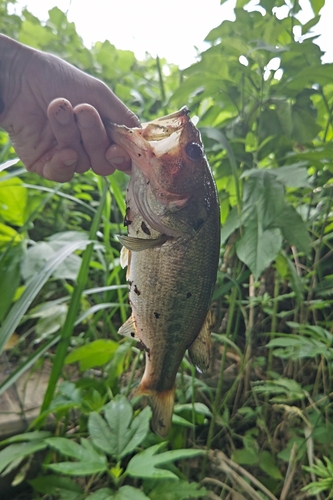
<point>172,218</point>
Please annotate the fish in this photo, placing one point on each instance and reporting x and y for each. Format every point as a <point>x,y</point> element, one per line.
<point>171,251</point>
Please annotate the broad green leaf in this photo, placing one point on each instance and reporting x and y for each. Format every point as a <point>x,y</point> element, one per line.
<point>26,436</point>
<point>97,353</point>
<point>294,175</point>
<point>56,485</point>
<point>248,456</point>
<point>146,463</point>
<point>100,433</point>
<point>129,493</point>
<point>317,5</point>
<point>138,431</point>
<point>13,201</point>
<point>258,248</point>
<point>122,434</point>
<point>293,228</point>
<point>33,287</point>
<point>232,223</point>
<point>267,464</point>
<point>19,451</point>
<point>169,489</point>
<point>78,468</point>
<point>67,447</point>
<point>263,194</point>
<point>101,494</point>
<point>8,236</point>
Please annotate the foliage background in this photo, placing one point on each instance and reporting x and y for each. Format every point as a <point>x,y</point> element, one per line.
<point>263,412</point>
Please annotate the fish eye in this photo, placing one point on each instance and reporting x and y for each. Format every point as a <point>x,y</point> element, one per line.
<point>194,151</point>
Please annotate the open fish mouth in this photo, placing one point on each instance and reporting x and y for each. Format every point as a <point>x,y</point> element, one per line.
<point>159,136</point>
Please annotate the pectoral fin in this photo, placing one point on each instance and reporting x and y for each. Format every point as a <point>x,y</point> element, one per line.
<point>200,349</point>
<point>128,329</point>
<point>139,244</point>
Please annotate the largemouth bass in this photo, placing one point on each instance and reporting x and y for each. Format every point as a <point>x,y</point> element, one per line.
<point>171,250</point>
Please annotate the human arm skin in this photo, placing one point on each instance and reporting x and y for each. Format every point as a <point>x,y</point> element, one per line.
<point>54,114</point>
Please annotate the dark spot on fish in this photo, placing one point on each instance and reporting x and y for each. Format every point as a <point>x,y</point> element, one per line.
<point>130,283</point>
<point>161,423</point>
<point>127,222</point>
<point>136,290</point>
<point>139,154</point>
<point>148,182</point>
<point>157,315</point>
<point>188,295</point>
<point>132,335</point>
<point>197,224</point>
<point>145,348</point>
<point>145,228</point>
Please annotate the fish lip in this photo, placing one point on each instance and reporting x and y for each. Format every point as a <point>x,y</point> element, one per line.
<point>155,130</point>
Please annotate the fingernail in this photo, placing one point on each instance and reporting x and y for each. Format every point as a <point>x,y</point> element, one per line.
<point>117,160</point>
<point>69,163</point>
<point>63,115</point>
<point>85,119</point>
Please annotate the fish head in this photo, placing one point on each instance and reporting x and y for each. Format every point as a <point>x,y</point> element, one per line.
<point>169,152</point>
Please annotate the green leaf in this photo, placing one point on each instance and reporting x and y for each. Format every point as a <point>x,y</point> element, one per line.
<point>258,248</point>
<point>293,228</point>
<point>100,433</point>
<point>8,236</point>
<point>267,464</point>
<point>78,468</point>
<point>9,277</point>
<point>129,493</point>
<point>34,286</point>
<point>19,451</point>
<point>56,485</point>
<point>248,456</point>
<point>26,436</point>
<point>170,489</point>
<point>262,194</point>
<point>123,435</point>
<point>145,464</point>
<point>13,201</point>
<point>97,353</point>
<point>102,494</point>
<point>317,5</point>
<point>232,223</point>
<point>67,447</point>
<point>294,175</point>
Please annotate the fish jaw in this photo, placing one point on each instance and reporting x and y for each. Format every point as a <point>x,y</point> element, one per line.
<point>160,150</point>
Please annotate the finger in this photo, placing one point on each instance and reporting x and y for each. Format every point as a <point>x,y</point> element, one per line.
<point>61,166</point>
<point>118,158</point>
<point>94,138</point>
<point>63,122</point>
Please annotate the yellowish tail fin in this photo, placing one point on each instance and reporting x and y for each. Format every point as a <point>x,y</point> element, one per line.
<point>162,407</point>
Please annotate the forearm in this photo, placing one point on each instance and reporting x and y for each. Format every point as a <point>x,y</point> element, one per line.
<point>14,57</point>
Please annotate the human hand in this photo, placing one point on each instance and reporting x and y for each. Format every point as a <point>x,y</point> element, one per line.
<point>54,115</point>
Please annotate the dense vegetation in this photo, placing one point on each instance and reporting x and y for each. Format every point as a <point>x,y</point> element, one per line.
<point>258,425</point>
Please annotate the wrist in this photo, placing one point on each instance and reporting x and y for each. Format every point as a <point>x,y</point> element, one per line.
<point>14,57</point>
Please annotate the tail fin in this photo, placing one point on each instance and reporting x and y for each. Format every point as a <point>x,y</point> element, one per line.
<point>162,407</point>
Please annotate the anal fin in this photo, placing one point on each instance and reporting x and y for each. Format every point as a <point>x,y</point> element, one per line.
<point>128,329</point>
<point>200,349</point>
